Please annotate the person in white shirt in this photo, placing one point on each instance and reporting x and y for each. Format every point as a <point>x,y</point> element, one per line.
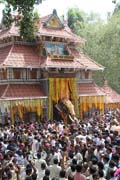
<point>57,155</point>
<point>79,157</point>
<point>54,169</point>
<point>106,163</point>
<point>60,128</point>
<point>41,173</point>
<point>101,140</point>
<point>53,142</point>
<point>35,141</point>
<point>38,162</point>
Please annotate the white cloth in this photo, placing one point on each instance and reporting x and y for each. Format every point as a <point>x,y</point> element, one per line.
<point>38,163</point>
<point>54,171</point>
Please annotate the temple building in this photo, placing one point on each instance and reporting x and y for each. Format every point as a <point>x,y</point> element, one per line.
<point>35,77</point>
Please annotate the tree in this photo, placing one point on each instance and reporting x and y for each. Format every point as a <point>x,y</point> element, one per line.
<point>103,46</point>
<point>25,10</point>
<point>117,8</point>
<point>7,17</point>
<point>75,19</point>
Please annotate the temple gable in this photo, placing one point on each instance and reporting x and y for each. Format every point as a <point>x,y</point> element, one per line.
<point>54,21</point>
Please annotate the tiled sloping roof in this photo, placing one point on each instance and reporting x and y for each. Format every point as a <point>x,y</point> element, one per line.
<point>19,56</point>
<point>13,31</point>
<point>53,32</point>
<point>87,89</point>
<point>2,89</point>
<point>45,18</point>
<point>74,36</point>
<point>111,95</point>
<point>61,63</point>
<point>86,61</point>
<point>62,33</point>
<point>4,33</point>
<point>4,52</point>
<point>80,61</point>
<point>22,91</point>
<point>42,30</point>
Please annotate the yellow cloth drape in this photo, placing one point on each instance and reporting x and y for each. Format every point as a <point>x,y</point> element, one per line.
<point>102,104</point>
<point>41,106</point>
<point>12,112</point>
<point>22,106</point>
<point>81,107</point>
<point>90,102</point>
<point>87,102</point>
<point>112,105</point>
<point>20,109</point>
<point>50,98</point>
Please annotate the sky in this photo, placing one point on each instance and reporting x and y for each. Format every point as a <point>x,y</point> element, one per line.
<point>97,6</point>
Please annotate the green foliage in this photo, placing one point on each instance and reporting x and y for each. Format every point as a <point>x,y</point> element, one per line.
<point>103,46</point>
<point>27,27</point>
<point>25,8</point>
<point>36,15</point>
<point>7,17</point>
<point>23,5</point>
<point>117,8</point>
<point>75,19</point>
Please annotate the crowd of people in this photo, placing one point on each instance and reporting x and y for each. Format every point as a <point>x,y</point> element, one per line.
<point>87,149</point>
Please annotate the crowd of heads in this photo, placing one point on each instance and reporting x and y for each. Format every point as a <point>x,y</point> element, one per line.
<point>49,150</point>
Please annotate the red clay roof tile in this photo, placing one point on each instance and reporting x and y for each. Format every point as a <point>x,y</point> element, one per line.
<point>87,89</point>
<point>85,60</point>
<point>111,95</point>
<point>19,56</point>
<point>4,52</point>
<point>61,63</point>
<point>22,91</point>
<point>42,30</point>
<point>2,89</point>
